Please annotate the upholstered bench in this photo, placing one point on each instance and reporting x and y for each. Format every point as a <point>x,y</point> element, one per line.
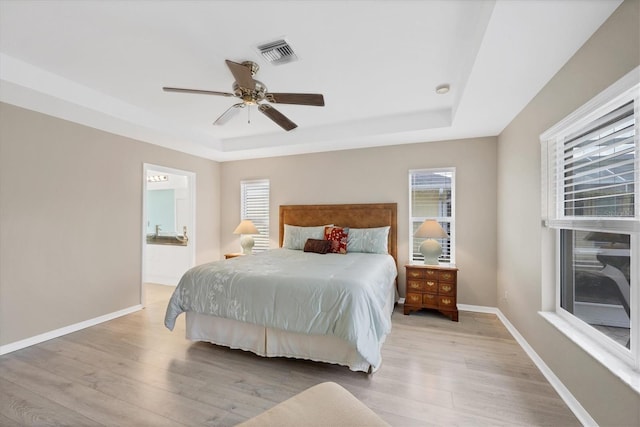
<point>326,404</point>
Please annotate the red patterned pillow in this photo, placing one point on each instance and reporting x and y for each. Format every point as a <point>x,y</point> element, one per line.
<point>338,238</point>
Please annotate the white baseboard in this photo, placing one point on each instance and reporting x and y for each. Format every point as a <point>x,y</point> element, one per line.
<point>573,404</point>
<point>8,348</point>
<point>162,279</point>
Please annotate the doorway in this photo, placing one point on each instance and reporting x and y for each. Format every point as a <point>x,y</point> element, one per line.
<point>168,224</point>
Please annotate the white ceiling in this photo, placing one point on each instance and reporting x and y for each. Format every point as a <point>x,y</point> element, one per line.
<point>103,64</point>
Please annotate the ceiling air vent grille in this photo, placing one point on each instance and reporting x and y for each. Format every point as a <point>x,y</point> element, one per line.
<point>278,52</point>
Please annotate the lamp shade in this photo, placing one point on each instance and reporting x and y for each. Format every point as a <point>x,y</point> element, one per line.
<point>246,227</point>
<point>430,248</point>
<point>431,229</point>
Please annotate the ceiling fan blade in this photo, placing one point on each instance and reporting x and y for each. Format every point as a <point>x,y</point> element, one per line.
<point>242,74</point>
<point>231,111</point>
<point>315,99</point>
<point>275,115</point>
<point>198,91</point>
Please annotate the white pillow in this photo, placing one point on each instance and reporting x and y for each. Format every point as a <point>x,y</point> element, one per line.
<point>368,240</point>
<point>295,236</point>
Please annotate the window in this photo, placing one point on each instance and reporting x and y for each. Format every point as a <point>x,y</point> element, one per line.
<point>254,196</point>
<point>431,196</point>
<point>591,200</point>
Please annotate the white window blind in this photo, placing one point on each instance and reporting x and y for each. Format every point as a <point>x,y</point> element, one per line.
<point>590,168</point>
<point>431,196</point>
<point>255,206</point>
<point>598,167</point>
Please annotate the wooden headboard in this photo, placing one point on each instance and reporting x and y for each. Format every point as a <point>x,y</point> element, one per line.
<point>351,215</point>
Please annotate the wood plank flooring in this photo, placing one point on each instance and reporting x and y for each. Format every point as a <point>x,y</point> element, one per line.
<point>132,371</point>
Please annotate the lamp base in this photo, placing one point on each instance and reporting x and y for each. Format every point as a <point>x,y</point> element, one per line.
<point>431,250</point>
<point>246,241</point>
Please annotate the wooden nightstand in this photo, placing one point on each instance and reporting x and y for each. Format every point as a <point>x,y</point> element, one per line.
<point>228,256</point>
<point>432,286</point>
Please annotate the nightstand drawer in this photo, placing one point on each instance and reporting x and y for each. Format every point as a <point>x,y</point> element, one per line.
<point>446,289</point>
<point>415,285</point>
<point>447,276</point>
<point>431,286</point>
<point>430,301</point>
<point>447,303</point>
<point>415,273</point>
<point>413,299</point>
<point>431,274</point>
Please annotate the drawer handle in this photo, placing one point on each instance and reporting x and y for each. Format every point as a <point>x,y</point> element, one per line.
<point>446,301</point>
<point>414,274</point>
<point>431,284</point>
<point>429,296</point>
<point>414,285</point>
<point>414,298</point>
<point>446,288</point>
<point>447,275</point>
<point>431,272</point>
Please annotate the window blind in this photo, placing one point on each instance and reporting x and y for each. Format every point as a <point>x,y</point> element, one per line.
<point>431,197</point>
<point>255,206</point>
<point>591,169</point>
<point>599,167</point>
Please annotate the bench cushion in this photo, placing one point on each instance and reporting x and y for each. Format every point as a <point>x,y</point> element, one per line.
<point>325,404</point>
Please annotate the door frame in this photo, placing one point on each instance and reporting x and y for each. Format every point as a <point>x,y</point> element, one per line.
<point>191,228</point>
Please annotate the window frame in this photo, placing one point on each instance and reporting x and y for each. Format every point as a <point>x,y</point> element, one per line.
<point>624,354</point>
<point>262,241</point>
<point>591,340</point>
<point>451,219</point>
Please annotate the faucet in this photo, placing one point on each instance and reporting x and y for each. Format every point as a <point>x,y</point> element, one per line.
<point>183,239</point>
<point>157,230</point>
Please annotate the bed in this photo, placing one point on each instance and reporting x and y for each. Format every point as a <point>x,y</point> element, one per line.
<point>286,302</point>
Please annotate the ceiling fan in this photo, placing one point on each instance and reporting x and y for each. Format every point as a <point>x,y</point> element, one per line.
<point>252,92</point>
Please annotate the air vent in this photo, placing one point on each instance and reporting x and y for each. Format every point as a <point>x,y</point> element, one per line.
<point>278,52</point>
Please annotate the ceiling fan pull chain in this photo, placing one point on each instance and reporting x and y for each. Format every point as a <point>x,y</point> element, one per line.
<point>249,114</point>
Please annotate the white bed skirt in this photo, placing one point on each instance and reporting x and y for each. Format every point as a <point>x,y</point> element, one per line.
<point>269,342</point>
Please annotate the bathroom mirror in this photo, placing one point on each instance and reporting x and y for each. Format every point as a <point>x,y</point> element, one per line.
<point>167,208</point>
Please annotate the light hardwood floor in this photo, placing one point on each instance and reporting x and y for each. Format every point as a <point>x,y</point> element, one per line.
<point>131,371</point>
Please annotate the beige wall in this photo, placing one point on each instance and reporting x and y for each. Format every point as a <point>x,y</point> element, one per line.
<point>381,175</point>
<point>613,51</point>
<point>71,220</point>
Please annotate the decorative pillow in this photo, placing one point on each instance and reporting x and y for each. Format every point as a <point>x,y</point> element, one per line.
<point>368,240</point>
<point>295,236</point>
<point>317,246</point>
<point>338,238</point>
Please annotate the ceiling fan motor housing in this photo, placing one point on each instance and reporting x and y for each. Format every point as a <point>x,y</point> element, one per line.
<point>252,66</point>
<point>250,96</point>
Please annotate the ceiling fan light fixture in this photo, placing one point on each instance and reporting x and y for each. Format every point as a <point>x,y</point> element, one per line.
<point>442,89</point>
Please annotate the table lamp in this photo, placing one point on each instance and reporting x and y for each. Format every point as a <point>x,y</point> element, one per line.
<point>246,229</point>
<point>430,248</point>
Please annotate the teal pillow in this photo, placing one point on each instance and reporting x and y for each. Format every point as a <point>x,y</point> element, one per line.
<point>368,240</point>
<point>295,236</point>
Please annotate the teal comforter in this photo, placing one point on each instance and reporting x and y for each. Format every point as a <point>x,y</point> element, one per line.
<point>296,291</point>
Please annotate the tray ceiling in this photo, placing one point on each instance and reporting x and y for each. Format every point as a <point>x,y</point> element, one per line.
<point>103,64</point>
